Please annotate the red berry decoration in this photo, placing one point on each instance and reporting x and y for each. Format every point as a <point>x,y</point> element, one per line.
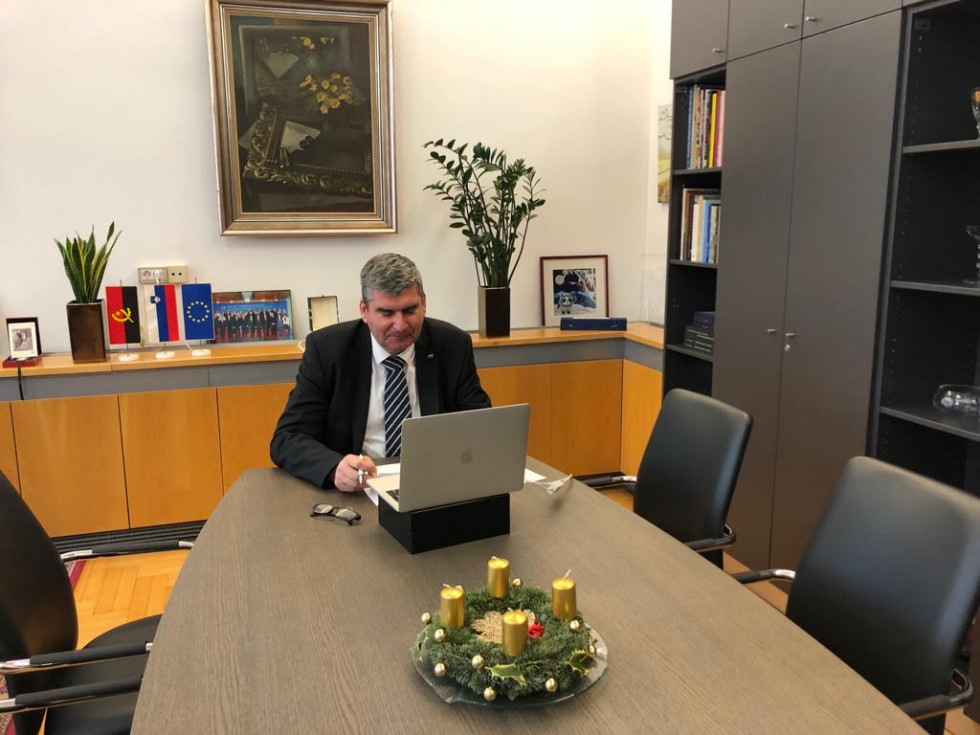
<point>535,630</point>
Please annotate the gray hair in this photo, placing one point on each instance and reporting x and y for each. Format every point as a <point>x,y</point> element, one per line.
<point>389,273</point>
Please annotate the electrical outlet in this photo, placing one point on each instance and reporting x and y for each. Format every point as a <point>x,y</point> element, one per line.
<point>177,274</point>
<point>151,274</point>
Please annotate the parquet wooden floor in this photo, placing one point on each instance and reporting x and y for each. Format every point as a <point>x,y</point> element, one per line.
<point>118,589</point>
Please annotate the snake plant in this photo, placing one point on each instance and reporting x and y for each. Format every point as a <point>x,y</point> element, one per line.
<point>85,263</point>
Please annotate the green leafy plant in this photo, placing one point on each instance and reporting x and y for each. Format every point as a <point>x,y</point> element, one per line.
<point>486,206</point>
<point>85,263</point>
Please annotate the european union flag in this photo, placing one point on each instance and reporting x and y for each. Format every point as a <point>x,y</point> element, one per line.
<point>198,315</point>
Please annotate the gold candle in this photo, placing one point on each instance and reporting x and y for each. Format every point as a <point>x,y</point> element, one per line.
<point>498,577</point>
<point>451,607</point>
<point>563,604</point>
<point>514,634</point>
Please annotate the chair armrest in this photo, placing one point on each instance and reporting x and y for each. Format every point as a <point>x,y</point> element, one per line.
<point>763,575</point>
<point>127,547</point>
<point>927,707</point>
<point>69,695</point>
<point>705,545</point>
<point>603,481</point>
<point>61,659</point>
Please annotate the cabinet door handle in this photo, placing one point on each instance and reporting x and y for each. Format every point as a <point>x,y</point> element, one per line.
<point>789,26</point>
<point>717,50</point>
<point>790,335</point>
<point>811,19</point>
<point>770,331</point>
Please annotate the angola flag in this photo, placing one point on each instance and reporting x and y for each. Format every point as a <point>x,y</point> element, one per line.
<point>122,308</point>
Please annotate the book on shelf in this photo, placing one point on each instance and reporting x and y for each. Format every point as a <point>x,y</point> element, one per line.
<point>693,333</point>
<point>704,320</point>
<point>706,348</point>
<point>705,126</point>
<point>700,225</point>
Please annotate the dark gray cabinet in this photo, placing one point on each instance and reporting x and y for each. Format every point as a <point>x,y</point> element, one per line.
<point>757,194</point>
<point>809,127</point>
<point>698,36</point>
<point>846,118</point>
<point>756,25</point>
<point>823,15</point>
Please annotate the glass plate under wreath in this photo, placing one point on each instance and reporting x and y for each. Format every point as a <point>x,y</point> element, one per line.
<point>451,692</point>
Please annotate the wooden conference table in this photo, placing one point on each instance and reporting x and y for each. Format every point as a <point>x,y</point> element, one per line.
<point>281,622</point>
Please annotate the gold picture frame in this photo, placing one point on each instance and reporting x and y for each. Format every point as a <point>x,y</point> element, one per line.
<point>304,133</point>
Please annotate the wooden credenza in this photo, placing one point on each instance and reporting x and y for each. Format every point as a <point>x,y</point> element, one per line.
<point>130,457</point>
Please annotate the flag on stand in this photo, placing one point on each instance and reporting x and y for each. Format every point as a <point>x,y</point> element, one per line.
<point>122,308</point>
<point>162,324</point>
<point>198,316</point>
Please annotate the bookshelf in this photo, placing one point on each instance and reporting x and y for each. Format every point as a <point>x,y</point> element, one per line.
<point>930,321</point>
<point>694,230</point>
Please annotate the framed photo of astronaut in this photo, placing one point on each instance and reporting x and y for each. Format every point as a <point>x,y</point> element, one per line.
<point>574,285</point>
<point>252,316</point>
<point>302,99</point>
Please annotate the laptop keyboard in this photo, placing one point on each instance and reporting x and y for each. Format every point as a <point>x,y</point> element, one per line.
<point>393,494</point>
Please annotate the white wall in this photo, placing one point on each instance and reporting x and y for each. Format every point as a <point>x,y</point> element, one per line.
<point>106,115</point>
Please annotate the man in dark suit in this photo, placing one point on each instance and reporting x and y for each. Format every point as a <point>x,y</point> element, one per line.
<point>333,426</point>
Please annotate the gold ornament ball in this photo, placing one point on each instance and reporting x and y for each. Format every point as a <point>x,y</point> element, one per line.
<point>426,618</point>
<point>489,694</point>
<point>439,669</point>
<point>516,582</point>
<point>551,685</point>
<point>574,626</point>
<point>477,661</point>
<point>439,635</point>
<point>592,650</point>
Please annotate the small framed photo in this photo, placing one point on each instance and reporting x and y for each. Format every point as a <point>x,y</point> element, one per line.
<point>574,285</point>
<point>252,316</point>
<point>24,337</point>
<point>323,311</point>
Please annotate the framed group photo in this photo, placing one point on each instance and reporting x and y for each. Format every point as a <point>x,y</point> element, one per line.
<point>252,316</point>
<point>302,114</point>
<point>573,285</point>
<point>24,338</point>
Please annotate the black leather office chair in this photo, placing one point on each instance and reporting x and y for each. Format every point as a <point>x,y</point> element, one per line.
<point>889,583</point>
<point>688,471</point>
<point>39,632</point>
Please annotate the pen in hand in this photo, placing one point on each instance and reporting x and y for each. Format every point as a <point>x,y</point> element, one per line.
<point>360,471</point>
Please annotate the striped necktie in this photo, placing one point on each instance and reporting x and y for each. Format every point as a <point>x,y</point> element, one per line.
<point>397,406</point>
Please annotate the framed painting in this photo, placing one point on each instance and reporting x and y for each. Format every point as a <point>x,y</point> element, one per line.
<point>574,285</point>
<point>252,316</point>
<point>302,95</point>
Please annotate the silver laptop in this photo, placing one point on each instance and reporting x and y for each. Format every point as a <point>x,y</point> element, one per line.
<point>455,457</point>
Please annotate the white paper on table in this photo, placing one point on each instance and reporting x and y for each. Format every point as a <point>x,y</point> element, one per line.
<point>386,469</point>
<point>531,475</point>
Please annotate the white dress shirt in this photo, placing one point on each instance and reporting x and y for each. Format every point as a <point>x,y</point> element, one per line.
<point>374,433</point>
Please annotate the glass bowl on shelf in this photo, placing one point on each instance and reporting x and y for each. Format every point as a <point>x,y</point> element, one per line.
<point>961,399</point>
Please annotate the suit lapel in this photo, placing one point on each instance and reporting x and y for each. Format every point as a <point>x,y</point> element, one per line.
<point>362,386</point>
<point>426,373</point>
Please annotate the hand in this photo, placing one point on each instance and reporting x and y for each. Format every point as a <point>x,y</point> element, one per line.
<point>349,476</point>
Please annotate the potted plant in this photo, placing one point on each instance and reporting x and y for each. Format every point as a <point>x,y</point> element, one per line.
<point>482,190</point>
<point>85,265</point>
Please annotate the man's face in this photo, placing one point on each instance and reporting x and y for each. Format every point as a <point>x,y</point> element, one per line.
<point>395,321</point>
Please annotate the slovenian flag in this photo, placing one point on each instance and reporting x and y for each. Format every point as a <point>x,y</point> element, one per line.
<point>123,310</point>
<point>198,318</point>
<point>162,324</point>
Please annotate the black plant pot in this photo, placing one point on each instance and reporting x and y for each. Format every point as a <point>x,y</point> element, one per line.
<point>494,308</point>
<point>86,332</point>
